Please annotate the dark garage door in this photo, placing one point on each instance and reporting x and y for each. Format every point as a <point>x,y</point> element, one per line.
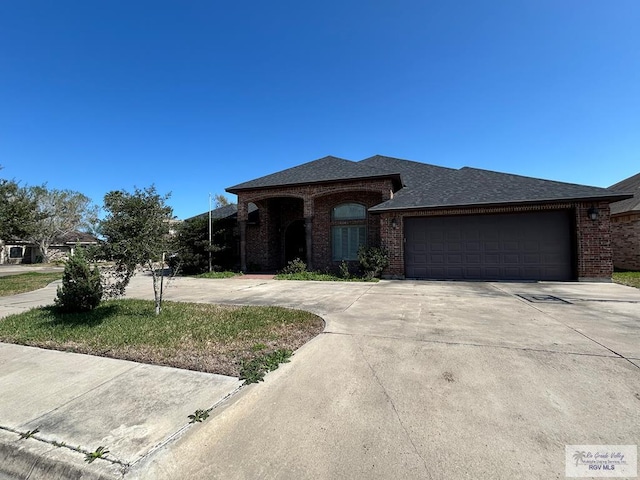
<point>522,246</point>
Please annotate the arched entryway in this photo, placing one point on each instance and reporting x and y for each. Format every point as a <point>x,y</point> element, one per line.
<point>295,245</point>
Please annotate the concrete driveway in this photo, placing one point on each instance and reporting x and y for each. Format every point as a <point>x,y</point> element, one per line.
<point>441,380</point>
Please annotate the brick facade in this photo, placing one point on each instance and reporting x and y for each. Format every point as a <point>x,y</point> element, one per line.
<point>265,241</point>
<point>279,208</point>
<point>625,240</point>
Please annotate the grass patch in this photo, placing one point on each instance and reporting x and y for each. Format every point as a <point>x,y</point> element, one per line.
<point>26,282</point>
<point>226,274</point>
<point>208,338</point>
<point>627,278</point>
<point>321,277</point>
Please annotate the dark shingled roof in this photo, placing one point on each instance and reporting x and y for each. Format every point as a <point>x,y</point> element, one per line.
<point>431,186</point>
<point>629,185</point>
<point>326,169</point>
<point>472,186</point>
<point>226,211</point>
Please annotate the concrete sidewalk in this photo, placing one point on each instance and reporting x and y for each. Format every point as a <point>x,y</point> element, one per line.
<point>85,401</point>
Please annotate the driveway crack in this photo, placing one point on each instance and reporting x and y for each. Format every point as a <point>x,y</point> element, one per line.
<point>358,299</point>
<point>393,406</point>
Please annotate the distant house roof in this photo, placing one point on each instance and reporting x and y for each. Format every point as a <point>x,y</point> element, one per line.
<point>226,211</point>
<point>432,186</point>
<point>629,185</point>
<point>324,170</point>
<point>74,238</point>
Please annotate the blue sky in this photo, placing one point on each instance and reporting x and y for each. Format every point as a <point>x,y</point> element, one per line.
<point>197,96</point>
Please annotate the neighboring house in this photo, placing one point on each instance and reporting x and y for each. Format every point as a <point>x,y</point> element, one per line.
<point>435,222</point>
<point>625,225</point>
<point>18,251</point>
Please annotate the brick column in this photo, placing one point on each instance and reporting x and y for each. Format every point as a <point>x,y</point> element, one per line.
<point>308,228</point>
<point>595,261</point>
<point>243,216</point>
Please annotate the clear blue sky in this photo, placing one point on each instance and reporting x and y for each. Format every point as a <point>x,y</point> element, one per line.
<point>197,96</point>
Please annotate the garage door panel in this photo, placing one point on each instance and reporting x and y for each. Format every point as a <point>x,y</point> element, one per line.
<point>526,246</point>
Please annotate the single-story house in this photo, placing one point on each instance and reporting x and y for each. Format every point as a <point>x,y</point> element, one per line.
<point>435,222</point>
<point>625,225</point>
<point>22,251</point>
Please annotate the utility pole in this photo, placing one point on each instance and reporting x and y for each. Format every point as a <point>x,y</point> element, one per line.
<point>210,267</point>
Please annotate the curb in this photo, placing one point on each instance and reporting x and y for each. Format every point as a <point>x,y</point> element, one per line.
<point>35,460</point>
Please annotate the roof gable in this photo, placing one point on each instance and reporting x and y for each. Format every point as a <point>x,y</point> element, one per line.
<point>326,169</point>
<point>629,185</point>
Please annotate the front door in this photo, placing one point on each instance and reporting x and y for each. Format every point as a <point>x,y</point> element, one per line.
<point>295,244</point>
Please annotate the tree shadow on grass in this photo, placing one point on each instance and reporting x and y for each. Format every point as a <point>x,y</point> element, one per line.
<point>92,318</point>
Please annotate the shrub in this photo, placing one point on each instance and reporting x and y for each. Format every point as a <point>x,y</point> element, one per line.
<point>343,270</point>
<point>81,289</point>
<point>373,261</point>
<point>295,266</point>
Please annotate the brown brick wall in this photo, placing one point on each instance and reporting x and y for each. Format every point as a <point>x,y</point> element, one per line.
<point>278,207</point>
<point>625,241</point>
<point>595,260</point>
<point>322,223</point>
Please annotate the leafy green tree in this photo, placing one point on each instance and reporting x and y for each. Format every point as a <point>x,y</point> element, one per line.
<point>81,289</point>
<point>18,213</point>
<point>59,212</point>
<point>136,232</point>
<point>191,245</point>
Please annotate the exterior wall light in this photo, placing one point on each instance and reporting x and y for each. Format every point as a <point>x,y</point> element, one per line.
<point>394,223</point>
<point>593,213</point>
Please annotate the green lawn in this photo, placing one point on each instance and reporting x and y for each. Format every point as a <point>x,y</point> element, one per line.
<point>204,337</point>
<point>26,282</point>
<point>322,277</point>
<point>627,278</point>
<point>225,274</point>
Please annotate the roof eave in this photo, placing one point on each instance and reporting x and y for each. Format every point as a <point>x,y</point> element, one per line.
<point>394,176</point>
<point>611,198</point>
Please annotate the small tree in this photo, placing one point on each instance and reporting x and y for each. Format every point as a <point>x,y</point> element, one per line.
<point>81,289</point>
<point>136,232</point>
<point>373,261</point>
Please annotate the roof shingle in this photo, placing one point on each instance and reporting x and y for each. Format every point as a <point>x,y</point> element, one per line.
<point>629,185</point>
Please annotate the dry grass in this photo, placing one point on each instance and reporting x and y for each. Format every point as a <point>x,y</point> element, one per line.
<point>26,282</point>
<point>203,337</point>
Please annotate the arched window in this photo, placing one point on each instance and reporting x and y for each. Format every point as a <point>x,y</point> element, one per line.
<point>348,231</point>
<point>349,211</point>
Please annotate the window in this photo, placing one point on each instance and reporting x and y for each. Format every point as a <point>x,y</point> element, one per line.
<point>15,252</point>
<point>347,240</point>
<point>348,232</point>
<point>349,211</point>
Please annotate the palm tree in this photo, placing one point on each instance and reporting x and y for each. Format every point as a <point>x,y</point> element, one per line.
<point>579,456</point>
